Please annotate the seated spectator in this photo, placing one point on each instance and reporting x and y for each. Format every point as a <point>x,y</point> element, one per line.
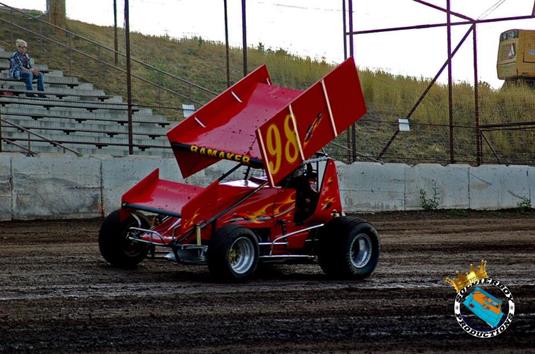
<point>20,68</point>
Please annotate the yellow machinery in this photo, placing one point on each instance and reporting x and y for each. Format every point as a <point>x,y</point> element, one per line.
<point>516,56</point>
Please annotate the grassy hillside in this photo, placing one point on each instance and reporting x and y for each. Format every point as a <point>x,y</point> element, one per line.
<point>388,97</point>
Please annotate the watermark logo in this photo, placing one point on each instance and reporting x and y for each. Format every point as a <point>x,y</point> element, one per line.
<point>484,307</point>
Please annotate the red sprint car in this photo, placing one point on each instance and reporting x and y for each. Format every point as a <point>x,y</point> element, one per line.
<point>280,203</point>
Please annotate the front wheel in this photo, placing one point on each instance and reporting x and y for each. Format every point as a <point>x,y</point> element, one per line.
<point>349,248</point>
<point>114,245</point>
<point>233,253</point>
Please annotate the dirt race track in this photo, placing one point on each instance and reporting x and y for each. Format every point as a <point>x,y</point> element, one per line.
<point>58,295</point>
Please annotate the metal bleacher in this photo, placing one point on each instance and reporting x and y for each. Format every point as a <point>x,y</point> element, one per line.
<point>75,115</point>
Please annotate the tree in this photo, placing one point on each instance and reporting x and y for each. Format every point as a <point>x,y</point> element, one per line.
<point>56,12</point>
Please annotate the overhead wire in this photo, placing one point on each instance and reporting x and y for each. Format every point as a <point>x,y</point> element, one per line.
<point>491,9</point>
<point>299,7</point>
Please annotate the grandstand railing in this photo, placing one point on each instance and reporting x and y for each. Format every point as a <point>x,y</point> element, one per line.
<point>93,45</point>
<point>29,140</point>
<point>106,48</point>
<point>100,61</point>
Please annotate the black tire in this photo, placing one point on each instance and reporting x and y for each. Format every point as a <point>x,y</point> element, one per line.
<point>115,247</point>
<point>349,248</point>
<point>233,254</point>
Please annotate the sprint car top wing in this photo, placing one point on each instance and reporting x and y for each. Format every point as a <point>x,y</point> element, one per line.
<point>225,127</point>
<point>268,126</point>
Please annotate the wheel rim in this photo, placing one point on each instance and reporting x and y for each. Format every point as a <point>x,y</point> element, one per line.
<point>241,255</point>
<point>129,247</point>
<point>361,250</point>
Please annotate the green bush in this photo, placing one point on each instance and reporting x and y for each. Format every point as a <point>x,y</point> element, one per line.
<point>432,202</point>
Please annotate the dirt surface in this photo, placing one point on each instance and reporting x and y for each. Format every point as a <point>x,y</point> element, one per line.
<point>58,295</point>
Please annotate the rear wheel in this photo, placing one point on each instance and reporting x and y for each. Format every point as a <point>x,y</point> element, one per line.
<point>233,253</point>
<point>349,248</point>
<point>114,245</point>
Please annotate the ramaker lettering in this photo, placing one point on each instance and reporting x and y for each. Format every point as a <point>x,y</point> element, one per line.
<point>202,150</point>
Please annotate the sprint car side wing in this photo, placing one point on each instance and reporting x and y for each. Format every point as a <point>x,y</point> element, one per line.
<point>311,120</point>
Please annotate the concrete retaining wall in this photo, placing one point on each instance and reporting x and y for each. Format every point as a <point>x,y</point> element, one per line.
<point>5,188</point>
<point>120,174</point>
<point>372,186</point>
<point>56,187</point>
<point>495,187</point>
<point>68,187</point>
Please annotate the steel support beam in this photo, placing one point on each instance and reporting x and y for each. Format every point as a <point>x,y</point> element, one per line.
<point>466,21</point>
<point>128,77</point>
<point>435,25</point>
<point>352,54</point>
<point>344,27</point>
<point>450,83</point>
<point>227,55</point>
<point>476,98</point>
<point>424,94</point>
<point>115,37</point>
<point>244,35</point>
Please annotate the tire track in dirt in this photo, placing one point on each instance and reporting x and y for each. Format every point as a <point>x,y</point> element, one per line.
<point>58,295</point>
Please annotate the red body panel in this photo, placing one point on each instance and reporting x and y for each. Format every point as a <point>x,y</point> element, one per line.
<point>258,209</point>
<point>329,201</point>
<point>213,199</point>
<point>271,209</point>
